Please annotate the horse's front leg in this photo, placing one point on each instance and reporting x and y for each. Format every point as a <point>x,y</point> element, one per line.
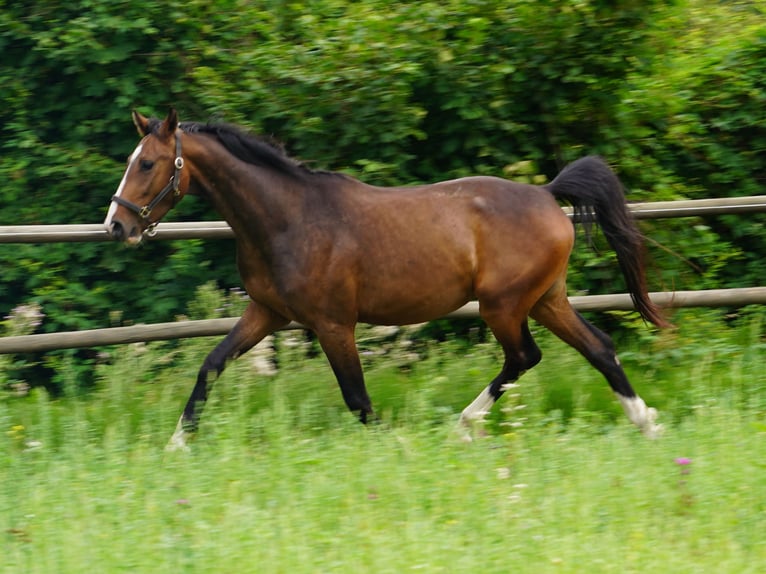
<point>256,323</point>
<point>338,344</point>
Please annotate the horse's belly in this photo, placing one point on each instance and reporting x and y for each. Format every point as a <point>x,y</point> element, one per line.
<point>401,315</point>
<point>413,299</point>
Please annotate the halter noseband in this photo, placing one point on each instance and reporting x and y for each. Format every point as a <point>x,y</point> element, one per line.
<point>173,185</point>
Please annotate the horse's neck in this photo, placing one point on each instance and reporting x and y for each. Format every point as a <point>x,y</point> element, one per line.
<point>251,199</point>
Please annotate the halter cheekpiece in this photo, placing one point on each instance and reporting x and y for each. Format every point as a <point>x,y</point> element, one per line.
<point>173,185</point>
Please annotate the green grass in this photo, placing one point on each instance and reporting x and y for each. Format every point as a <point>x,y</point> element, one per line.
<point>281,478</point>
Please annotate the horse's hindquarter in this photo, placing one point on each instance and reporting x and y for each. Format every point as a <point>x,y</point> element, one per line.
<point>425,251</point>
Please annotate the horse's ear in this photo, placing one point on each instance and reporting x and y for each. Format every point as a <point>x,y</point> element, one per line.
<point>141,123</point>
<point>170,124</point>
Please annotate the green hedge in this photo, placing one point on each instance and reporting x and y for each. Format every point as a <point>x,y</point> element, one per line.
<point>672,94</point>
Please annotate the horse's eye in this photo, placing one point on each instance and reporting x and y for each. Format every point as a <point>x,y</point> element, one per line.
<point>146,165</point>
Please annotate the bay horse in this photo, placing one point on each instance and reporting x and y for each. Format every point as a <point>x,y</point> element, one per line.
<point>328,251</point>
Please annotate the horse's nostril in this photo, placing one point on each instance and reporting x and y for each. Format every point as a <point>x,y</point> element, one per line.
<point>117,231</point>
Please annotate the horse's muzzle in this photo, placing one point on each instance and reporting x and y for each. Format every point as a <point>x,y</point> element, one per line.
<point>116,231</point>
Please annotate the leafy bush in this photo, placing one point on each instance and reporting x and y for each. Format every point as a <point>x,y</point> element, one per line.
<point>397,92</point>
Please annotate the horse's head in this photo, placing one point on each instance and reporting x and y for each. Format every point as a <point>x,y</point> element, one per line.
<point>153,182</point>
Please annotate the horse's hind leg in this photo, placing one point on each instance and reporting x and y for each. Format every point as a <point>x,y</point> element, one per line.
<point>256,322</point>
<point>556,313</point>
<point>521,354</point>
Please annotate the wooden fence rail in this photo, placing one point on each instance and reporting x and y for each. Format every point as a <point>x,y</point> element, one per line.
<point>211,327</point>
<point>221,230</point>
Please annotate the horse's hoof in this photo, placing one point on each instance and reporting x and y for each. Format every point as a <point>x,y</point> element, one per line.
<point>650,429</point>
<point>177,443</point>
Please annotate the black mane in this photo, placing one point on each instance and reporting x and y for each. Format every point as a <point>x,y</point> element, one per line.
<point>250,148</point>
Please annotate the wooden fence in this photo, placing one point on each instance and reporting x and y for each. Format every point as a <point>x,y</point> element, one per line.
<point>219,229</point>
<point>210,327</point>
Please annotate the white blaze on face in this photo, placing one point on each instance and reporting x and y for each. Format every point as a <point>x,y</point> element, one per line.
<point>113,206</point>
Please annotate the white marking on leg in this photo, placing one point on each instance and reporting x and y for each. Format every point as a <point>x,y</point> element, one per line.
<point>113,206</point>
<point>262,357</point>
<point>641,415</point>
<point>177,442</point>
<point>478,408</point>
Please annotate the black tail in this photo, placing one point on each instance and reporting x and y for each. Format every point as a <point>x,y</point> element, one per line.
<point>595,193</point>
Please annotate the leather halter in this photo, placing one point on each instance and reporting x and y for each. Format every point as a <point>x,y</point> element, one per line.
<point>173,185</point>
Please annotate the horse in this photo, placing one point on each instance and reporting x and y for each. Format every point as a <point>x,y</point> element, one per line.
<point>329,251</point>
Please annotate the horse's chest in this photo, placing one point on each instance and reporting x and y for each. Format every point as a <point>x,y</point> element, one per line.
<point>272,284</point>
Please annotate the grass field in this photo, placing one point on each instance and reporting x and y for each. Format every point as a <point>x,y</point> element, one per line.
<point>281,478</point>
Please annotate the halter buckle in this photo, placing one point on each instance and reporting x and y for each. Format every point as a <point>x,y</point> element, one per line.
<point>179,162</point>
<point>144,212</point>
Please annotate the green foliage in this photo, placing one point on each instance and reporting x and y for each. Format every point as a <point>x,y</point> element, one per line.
<point>76,70</point>
<point>396,92</point>
<point>698,115</point>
